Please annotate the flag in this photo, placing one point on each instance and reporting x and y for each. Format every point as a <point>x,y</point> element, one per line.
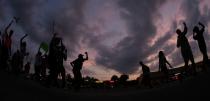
<point>44,46</point>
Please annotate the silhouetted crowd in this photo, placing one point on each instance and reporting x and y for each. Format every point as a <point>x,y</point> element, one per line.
<point>53,57</point>
<point>187,54</point>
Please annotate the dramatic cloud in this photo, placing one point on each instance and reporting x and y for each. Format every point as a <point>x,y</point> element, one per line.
<point>116,33</point>
<point>126,54</point>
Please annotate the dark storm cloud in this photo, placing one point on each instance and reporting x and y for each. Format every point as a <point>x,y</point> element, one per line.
<point>4,11</point>
<point>27,11</point>
<point>125,56</point>
<point>37,17</point>
<point>161,45</point>
<point>1,9</point>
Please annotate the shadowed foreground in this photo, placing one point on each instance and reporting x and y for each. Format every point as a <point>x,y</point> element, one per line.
<point>17,88</point>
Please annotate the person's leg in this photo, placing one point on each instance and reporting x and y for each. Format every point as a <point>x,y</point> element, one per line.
<point>205,62</point>
<point>76,80</point>
<point>55,77</point>
<point>186,66</point>
<point>166,76</point>
<point>79,80</point>
<point>205,56</point>
<point>142,81</point>
<point>36,72</point>
<point>63,74</point>
<point>193,66</point>
<point>150,83</point>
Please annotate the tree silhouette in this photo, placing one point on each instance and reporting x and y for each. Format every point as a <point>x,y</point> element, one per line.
<point>123,79</point>
<point>114,78</point>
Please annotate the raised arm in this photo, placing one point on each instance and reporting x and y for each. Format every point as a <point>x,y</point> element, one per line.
<point>64,51</point>
<point>86,56</point>
<point>8,26</point>
<point>72,63</point>
<point>185,28</point>
<point>21,40</point>
<point>203,27</point>
<point>169,64</point>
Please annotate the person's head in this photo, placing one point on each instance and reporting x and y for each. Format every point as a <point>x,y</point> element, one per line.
<point>161,53</point>
<point>80,56</point>
<point>178,31</point>
<point>141,63</point>
<point>11,33</point>
<point>195,29</point>
<point>57,41</point>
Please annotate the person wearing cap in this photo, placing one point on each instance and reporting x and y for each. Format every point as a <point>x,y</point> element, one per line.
<point>77,66</point>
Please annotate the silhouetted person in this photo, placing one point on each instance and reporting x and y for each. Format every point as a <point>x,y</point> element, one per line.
<point>62,55</point>
<point>53,61</point>
<point>6,45</point>
<point>162,65</point>
<point>23,49</point>
<point>16,62</point>
<point>146,80</point>
<point>7,41</point>
<point>44,66</point>
<point>198,35</point>
<point>27,68</point>
<point>185,49</point>
<point>77,66</point>
<point>37,65</point>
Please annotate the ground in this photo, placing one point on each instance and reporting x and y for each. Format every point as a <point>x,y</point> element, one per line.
<point>20,89</point>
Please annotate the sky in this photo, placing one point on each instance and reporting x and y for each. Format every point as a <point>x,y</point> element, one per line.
<point>117,34</point>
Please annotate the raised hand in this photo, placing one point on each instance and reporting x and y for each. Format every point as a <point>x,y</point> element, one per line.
<point>16,19</point>
<point>184,23</point>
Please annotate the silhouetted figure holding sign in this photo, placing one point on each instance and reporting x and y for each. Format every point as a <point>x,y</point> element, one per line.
<point>77,66</point>
<point>185,49</point>
<point>198,35</point>
<point>162,65</point>
<point>146,80</point>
